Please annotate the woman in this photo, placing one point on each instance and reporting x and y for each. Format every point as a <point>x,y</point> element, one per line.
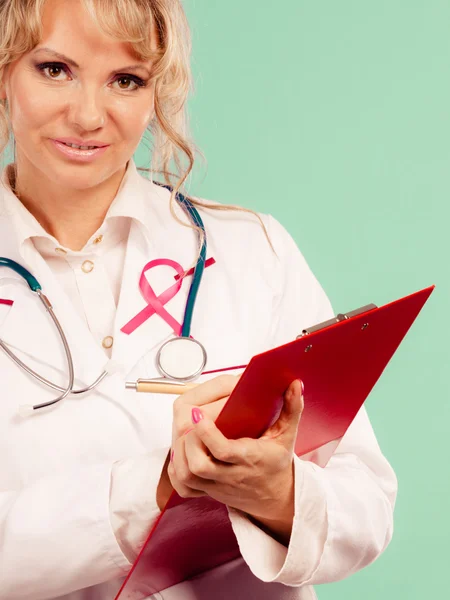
<point>82,481</point>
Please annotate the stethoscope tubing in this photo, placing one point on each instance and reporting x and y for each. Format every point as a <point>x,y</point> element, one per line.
<point>198,270</point>
<point>65,391</point>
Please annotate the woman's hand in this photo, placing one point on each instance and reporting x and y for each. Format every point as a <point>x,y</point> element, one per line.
<point>255,476</point>
<point>211,396</point>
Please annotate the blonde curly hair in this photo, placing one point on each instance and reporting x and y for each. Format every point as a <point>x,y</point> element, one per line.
<point>132,21</point>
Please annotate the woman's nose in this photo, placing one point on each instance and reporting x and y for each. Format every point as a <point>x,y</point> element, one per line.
<point>87,109</point>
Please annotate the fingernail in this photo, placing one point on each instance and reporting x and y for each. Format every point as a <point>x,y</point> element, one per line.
<point>171,455</point>
<point>196,415</point>
<point>303,388</point>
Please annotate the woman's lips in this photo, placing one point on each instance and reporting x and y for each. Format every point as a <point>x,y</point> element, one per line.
<point>77,154</point>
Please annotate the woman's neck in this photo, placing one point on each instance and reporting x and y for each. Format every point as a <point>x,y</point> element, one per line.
<point>72,216</point>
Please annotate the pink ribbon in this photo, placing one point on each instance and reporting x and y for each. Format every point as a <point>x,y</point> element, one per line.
<point>7,302</point>
<point>155,304</point>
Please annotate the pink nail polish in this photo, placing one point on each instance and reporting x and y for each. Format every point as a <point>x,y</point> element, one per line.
<point>303,388</point>
<point>171,455</point>
<point>196,415</point>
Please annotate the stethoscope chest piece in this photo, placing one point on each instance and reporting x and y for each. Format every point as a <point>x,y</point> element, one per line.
<point>181,359</point>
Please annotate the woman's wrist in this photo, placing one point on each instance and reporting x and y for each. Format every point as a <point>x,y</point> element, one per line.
<point>279,526</point>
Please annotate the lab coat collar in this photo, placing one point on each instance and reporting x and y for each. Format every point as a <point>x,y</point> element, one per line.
<point>128,203</point>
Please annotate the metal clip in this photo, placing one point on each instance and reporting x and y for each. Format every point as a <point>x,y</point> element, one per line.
<point>339,318</point>
<point>45,301</point>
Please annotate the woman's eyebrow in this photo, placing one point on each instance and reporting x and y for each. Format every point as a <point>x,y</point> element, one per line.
<point>72,63</point>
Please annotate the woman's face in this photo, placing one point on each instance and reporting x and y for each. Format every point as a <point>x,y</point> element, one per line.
<point>97,93</point>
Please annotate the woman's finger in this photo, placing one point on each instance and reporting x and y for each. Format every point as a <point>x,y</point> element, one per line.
<point>199,460</point>
<point>220,447</point>
<point>209,391</point>
<point>182,422</point>
<point>183,481</point>
<point>212,395</point>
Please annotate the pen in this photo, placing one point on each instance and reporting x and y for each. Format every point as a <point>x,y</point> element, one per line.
<point>154,386</point>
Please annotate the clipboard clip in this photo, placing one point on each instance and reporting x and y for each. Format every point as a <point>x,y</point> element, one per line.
<point>337,319</point>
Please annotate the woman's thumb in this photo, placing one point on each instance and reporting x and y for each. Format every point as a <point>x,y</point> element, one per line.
<point>287,423</point>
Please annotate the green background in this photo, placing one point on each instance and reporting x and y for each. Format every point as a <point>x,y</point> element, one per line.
<point>335,118</point>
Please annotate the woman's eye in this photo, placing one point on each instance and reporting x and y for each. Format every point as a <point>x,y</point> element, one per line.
<point>124,82</point>
<point>53,71</point>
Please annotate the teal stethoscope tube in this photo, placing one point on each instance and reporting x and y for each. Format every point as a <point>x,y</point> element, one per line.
<point>12,264</point>
<point>35,286</point>
<point>199,267</point>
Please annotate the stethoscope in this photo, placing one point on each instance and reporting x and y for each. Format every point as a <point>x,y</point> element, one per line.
<point>179,360</point>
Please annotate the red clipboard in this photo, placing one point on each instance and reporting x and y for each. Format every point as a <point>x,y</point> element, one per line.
<point>339,362</point>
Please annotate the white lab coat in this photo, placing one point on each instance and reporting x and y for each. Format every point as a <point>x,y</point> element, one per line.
<point>56,538</point>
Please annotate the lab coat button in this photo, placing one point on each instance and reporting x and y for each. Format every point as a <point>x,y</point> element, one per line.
<point>87,266</point>
<point>98,239</point>
<point>108,341</point>
<point>60,251</point>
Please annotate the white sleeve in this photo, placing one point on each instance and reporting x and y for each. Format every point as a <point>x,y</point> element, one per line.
<point>343,513</point>
<point>65,532</point>
<point>56,535</point>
